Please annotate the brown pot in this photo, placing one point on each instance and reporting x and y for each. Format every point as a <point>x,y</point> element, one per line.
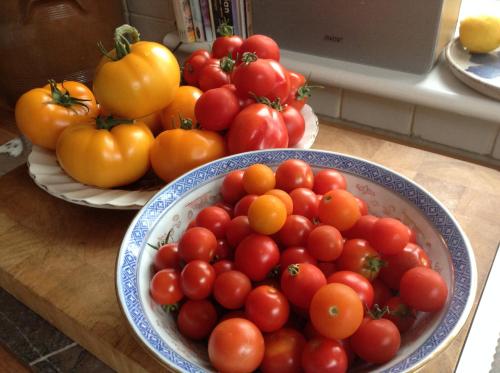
<point>43,39</point>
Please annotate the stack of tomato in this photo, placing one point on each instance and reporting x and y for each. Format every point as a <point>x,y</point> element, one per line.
<point>289,272</point>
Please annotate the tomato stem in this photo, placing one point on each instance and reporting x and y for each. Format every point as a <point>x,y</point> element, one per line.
<point>185,123</point>
<point>64,98</point>
<point>107,123</point>
<point>377,312</point>
<point>374,263</point>
<point>170,308</point>
<point>125,36</point>
<point>293,269</point>
<point>333,311</point>
<point>227,64</point>
<point>248,57</point>
<point>304,91</point>
<point>225,29</point>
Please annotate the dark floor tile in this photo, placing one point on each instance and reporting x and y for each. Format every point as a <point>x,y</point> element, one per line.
<point>45,366</point>
<point>26,334</point>
<point>78,360</point>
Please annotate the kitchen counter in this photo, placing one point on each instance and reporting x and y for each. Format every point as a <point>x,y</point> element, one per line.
<point>59,258</point>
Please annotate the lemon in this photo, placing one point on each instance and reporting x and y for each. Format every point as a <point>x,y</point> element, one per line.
<point>480,34</point>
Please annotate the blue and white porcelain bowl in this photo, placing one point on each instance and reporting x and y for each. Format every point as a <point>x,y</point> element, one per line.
<point>385,191</point>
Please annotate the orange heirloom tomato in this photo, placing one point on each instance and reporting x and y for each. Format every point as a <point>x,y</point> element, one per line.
<point>105,152</point>
<point>181,107</point>
<point>180,150</point>
<point>136,78</point>
<point>153,121</point>
<point>43,113</point>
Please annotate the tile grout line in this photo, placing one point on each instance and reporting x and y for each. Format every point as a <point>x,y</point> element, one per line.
<point>71,345</point>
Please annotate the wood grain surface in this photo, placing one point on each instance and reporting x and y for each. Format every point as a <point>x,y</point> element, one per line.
<point>59,258</point>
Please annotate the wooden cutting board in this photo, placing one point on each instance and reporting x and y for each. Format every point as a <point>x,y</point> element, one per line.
<point>59,258</point>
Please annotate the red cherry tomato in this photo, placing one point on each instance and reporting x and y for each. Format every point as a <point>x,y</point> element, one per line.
<point>197,279</point>
<point>413,235</point>
<point>196,319</point>
<point>322,355</point>
<point>263,46</point>
<point>165,288</point>
<point>236,345</point>
<point>358,283</point>
<point>362,228</point>
<point>231,289</point>
<point>223,250</point>
<point>358,256</point>
<point>224,46</point>
<point>294,173</point>
<point>237,229</point>
<point>295,255</point>
<point>197,243</point>
<point>327,268</point>
<point>226,207</point>
<point>381,292</point>
<point>396,265</point>
<point>214,219</point>
<point>363,207</point>
<point>222,266</point>
<point>256,256</point>
<point>283,351</point>
<point>389,236</point>
<point>216,109</point>
<point>298,90</point>
<point>295,231</point>
<point>299,282</point>
<point>193,65</point>
<point>376,341</point>
<point>167,256</point>
<point>423,289</point>
<point>242,206</point>
<point>295,124</point>
<point>339,208</point>
<point>261,78</point>
<point>326,180</point>
<point>257,127</point>
<point>215,74</point>
<point>305,203</point>
<point>267,308</point>
<point>400,314</point>
<point>325,243</point>
<point>232,189</point>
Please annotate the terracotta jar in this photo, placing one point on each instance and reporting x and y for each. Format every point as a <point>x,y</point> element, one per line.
<point>43,39</point>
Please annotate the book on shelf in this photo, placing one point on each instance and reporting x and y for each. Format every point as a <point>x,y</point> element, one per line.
<point>207,22</point>
<point>184,21</point>
<point>199,31</point>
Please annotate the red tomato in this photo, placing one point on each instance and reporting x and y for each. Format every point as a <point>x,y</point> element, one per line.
<point>300,282</point>
<point>382,293</point>
<point>339,208</point>
<point>358,283</point>
<point>295,255</point>
<point>358,256</point>
<point>232,189</point>
<point>193,65</point>
<point>326,180</point>
<point>165,288</point>
<point>167,256</point>
<point>237,229</point>
<point>267,308</point>
<point>294,173</point>
<point>389,236</point>
<point>215,219</point>
<point>196,319</point>
<point>363,207</point>
<point>256,256</point>
<point>215,74</point>
<point>197,279</point>
<point>322,355</point>
<point>396,265</point>
<point>231,289</point>
<point>223,250</point>
<point>376,341</point>
<point>197,243</point>
<point>236,345</point>
<point>327,268</point>
<point>336,311</point>
<point>242,206</point>
<point>400,314</point>
<point>257,127</point>
<point>423,289</point>
<point>224,46</point>
<point>325,243</point>
<point>263,46</point>
<point>295,124</point>
<point>295,231</point>
<point>226,207</point>
<point>283,351</point>
<point>216,109</point>
<point>305,203</point>
<point>299,91</point>
<point>362,228</point>
<point>413,235</point>
<point>222,266</point>
<point>261,78</point>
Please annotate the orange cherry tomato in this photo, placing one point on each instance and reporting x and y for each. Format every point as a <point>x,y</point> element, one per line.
<point>267,214</point>
<point>339,208</point>
<point>182,107</point>
<point>284,197</point>
<point>258,179</point>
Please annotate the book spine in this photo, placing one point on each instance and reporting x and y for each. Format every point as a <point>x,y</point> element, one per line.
<point>222,13</point>
<point>235,16</point>
<point>207,22</point>
<point>199,32</point>
<point>184,21</point>
<point>241,14</point>
<point>248,17</point>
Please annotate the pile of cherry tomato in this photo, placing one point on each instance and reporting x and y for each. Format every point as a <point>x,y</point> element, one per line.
<point>289,272</point>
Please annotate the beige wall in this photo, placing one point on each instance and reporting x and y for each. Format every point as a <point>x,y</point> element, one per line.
<point>153,18</point>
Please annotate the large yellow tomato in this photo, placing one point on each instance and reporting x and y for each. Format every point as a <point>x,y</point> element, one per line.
<point>43,113</point>
<point>153,121</point>
<point>177,151</point>
<point>136,78</point>
<point>181,107</point>
<point>105,152</point>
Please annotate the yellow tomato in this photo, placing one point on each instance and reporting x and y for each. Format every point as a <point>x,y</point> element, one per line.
<point>258,179</point>
<point>136,78</point>
<point>267,214</point>
<point>177,151</point>
<point>153,121</point>
<point>104,152</point>
<point>43,113</point>
<point>181,107</point>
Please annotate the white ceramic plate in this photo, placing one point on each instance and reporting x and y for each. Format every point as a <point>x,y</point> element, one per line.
<point>48,175</point>
<point>386,193</point>
<point>481,72</point>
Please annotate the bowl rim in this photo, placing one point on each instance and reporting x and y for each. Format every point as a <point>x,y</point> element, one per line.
<point>465,311</point>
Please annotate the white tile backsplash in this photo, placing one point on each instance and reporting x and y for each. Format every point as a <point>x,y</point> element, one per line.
<point>458,131</point>
<point>376,111</point>
<point>154,8</point>
<point>326,101</point>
